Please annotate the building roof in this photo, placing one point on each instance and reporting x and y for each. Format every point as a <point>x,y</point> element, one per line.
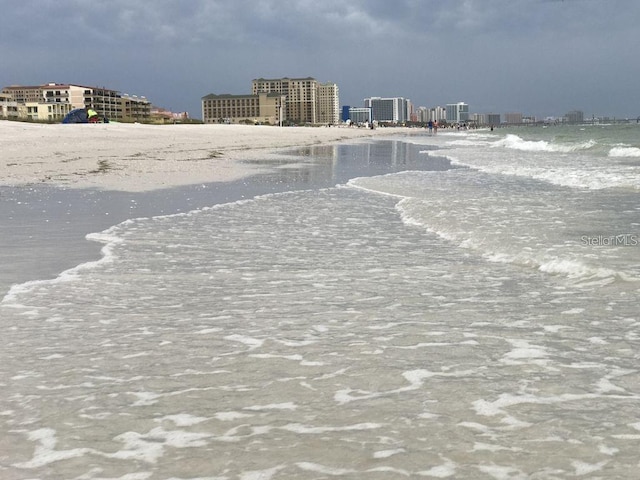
<point>213,96</point>
<point>53,85</point>
<point>280,79</point>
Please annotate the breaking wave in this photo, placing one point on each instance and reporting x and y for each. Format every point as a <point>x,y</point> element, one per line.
<point>624,151</point>
<point>515,142</point>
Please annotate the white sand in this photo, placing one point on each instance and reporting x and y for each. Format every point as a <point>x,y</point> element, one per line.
<point>132,157</point>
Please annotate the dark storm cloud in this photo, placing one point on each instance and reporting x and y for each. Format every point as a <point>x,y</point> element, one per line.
<point>536,56</point>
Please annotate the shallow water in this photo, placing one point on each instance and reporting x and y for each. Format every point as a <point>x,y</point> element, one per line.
<point>436,324</point>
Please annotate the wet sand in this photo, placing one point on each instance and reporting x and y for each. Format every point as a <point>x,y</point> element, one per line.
<point>43,227</point>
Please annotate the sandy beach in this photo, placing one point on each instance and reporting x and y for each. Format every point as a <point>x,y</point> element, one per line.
<point>59,183</point>
<point>135,157</point>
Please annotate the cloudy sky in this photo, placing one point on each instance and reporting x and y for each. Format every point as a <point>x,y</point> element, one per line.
<point>538,57</point>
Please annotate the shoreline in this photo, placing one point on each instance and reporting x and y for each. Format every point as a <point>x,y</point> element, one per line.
<point>43,226</point>
<point>139,158</point>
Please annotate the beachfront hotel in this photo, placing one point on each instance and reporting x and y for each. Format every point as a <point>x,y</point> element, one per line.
<point>457,112</point>
<point>267,108</point>
<point>328,104</point>
<point>307,100</point>
<point>52,101</point>
<point>276,101</point>
<point>391,110</point>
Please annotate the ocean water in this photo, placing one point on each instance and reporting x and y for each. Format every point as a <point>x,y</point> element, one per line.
<point>476,320</point>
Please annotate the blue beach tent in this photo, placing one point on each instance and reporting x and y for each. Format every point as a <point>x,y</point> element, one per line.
<point>79,115</point>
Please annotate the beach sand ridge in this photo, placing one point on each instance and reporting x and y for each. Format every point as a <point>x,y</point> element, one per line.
<point>136,157</point>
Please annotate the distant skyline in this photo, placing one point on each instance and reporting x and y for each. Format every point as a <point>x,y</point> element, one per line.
<point>537,57</point>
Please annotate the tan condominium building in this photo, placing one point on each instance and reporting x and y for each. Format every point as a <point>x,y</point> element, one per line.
<point>53,101</point>
<point>328,104</point>
<point>307,101</point>
<point>266,108</point>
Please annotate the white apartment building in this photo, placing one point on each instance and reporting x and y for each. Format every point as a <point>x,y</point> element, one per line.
<point>392,110</point>
<point>457,112</point>
<point>422,114</point>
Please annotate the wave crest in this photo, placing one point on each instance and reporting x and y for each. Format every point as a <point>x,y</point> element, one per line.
<point>624,151</point>
<point>515,142</point>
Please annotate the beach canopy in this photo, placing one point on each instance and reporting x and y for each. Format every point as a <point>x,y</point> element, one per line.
<point>79,115</point>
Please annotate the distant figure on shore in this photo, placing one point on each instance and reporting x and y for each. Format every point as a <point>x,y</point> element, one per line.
<point>430,125</point>
<point>435,127</point>
<point>92,115</point>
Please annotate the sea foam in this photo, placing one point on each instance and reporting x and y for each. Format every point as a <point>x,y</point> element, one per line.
<point>515,142</point>
<point>624,151</point>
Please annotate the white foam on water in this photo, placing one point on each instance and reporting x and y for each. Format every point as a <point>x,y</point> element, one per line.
<point>388,453</point>
<point>45,452</point>
<point>512,227</point>
<point>251,342</point>
<point>624,152</point>
<point>183,419</point>
<point>415,378</point>
<point>515,142</point>
<point>525,352</point>
<point>273,406</point>
<point>266,474</point>
<point>317,334</point>
<point>317,468</point>
<point>578,269</point>
<point>313,430</point>
<point>446,470</point>
<point>150,447</point>
<point>499,472</point>
<point>231,416</point>
<point>108,237</point>
<point>577,163</point>
<point>584,468</point>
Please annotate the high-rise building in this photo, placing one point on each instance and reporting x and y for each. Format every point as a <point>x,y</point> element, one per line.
<point>392,110</point>
<point>575,116</point>
<point>457,112</point>
<point>489,119</point>
<point>307,101</point>
<point>493,119</point>
<point>328,104</point>
<point>301,93</point>
<point>438,114</point>
<point>422,114</point>
<point>360,115</point>
<point>513,118</point>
